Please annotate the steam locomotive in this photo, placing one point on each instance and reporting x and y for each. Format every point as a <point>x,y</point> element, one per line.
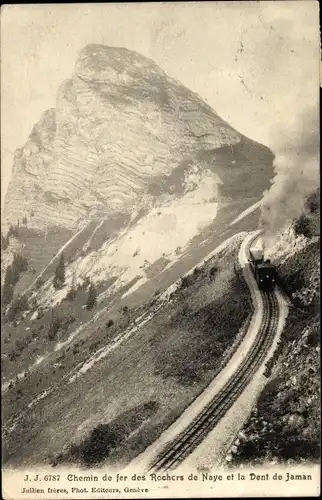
<point>264,271</point>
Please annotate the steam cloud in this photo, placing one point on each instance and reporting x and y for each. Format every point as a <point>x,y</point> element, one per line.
<point>296,173</point>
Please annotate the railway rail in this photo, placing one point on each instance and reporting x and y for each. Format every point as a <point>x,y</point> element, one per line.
<point>193,435</point>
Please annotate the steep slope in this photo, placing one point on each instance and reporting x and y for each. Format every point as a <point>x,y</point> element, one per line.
<point>285,425</point>
<point>159,356</point>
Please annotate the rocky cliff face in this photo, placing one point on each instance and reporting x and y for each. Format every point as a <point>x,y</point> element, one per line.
<point>121,129</point>
<point>132,175</point>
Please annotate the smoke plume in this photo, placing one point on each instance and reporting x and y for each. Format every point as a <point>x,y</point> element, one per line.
<point>296,173</point>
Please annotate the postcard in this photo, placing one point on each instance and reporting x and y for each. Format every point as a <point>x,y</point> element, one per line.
<point>160,250</point>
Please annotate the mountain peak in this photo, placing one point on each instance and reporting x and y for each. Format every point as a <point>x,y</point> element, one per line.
<point>95,60</point>
<point>120,125</point>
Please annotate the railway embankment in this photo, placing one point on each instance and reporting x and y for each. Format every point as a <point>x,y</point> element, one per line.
<point>203,433</point>
<point>247,380</point>
<point>284,425</point>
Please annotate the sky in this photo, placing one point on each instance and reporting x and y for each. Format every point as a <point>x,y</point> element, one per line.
<point>255,63</point>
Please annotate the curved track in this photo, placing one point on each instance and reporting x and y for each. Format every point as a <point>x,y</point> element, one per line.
<point>194,434</point>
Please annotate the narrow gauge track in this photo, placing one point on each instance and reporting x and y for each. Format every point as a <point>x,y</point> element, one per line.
<point>212,413</point>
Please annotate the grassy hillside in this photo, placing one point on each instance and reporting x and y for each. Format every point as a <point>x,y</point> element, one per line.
<point>59,411</point>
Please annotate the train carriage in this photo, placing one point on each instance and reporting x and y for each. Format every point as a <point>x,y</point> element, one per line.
<point>264,271</point>
<point>265,276</point>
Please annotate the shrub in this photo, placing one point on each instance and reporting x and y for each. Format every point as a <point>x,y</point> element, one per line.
<point>314,336</point>
<point>92,297</point>
<point>21,344</point>
<point>33,304</point>
<point>98,445</point>
<point>59,278</point>
<point>55,323</point>
<point>71,294</point>
<point>7,289</point>
<point>13,354</point>
<point>40,313</point>
<point>18,305</point>
<point>39,283</point>
<point>94,346</point>
<point>86,283</point>
<point>4,241</point>
<point>18,266</point>
<point>69,320</point>
<point>213,271</point>
<point>313,201</point>
<point>17,349</point>
<point>303,226</point>
<point>185,282</point>
<point>109,323</point>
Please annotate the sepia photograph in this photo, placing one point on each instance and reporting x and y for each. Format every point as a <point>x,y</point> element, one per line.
<point>160,249</point>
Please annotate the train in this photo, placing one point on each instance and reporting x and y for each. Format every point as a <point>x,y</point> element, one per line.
<point>264,271</point>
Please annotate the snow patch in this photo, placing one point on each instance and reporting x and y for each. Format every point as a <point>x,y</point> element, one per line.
<point>87,244</point>
<point>34,316</point>
<point>169,225</point>
<point>41,396</point>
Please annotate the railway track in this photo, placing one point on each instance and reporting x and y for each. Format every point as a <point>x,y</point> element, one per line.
<point>193,435</point>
